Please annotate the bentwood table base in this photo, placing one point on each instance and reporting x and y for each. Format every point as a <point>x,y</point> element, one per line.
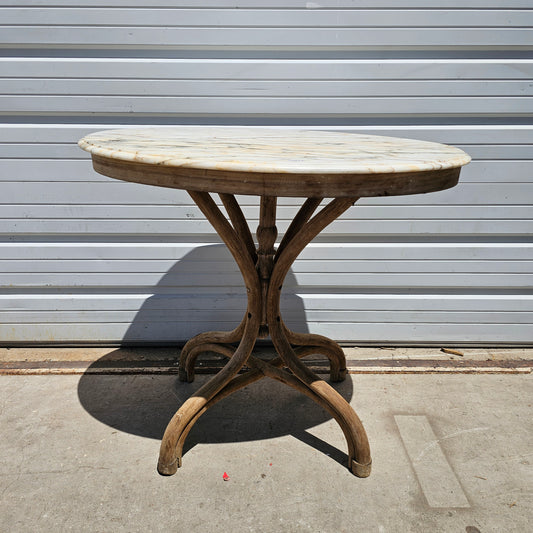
<point>264,270</point>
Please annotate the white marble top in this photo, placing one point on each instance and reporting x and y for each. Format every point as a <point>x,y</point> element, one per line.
<point>272,150</point>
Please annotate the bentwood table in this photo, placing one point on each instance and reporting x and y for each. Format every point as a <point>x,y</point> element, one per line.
<point>270,163</point>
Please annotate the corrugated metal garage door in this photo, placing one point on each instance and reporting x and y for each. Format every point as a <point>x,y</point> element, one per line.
<point>84,258</point>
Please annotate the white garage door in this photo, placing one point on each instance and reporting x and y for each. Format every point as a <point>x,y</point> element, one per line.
<point>84,258</point>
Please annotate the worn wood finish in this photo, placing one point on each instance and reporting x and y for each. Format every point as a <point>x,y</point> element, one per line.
<point>304,214</point>
<point>310,343</point>
<point>266,278</point>
<point>266,237</point>
<point>283,184</point>
<point>198,344</point>
<point>358,447</point>
<point>239,223</point>
<point>171,447</point>
<point>258,370</point>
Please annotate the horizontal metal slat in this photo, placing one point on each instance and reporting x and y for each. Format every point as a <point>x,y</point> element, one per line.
<point>77,213</point>
<point>199,317</point>
<point>235,18</point>
<point>260,4</point>
<point>180,332</point>
<point>175,251</point>
<point>122,193</point>
<point>311,38</point>
<point>302,279</point>
<point>223,301</point>
<point>404,226</point>
<point>58,170</point>
<point>268,105</point>
<point>495,135</point>
<point>128,88</point>
<point>238,69</point>
<point>186,267</point>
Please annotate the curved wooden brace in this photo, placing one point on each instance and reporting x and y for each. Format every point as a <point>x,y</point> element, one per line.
<point>311,343</point>
<point>304,214</point>
<point>259,370</point>
<point>193,348</point>
<point>239,223</point>
<point>337,371</point>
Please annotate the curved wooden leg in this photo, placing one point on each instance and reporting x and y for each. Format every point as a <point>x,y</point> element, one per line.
<point>357,441</point>
<point>181,423</point>
<point>198,344</point>
<point>354,432</point>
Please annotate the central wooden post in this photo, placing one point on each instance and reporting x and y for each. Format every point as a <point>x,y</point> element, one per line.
<point>266,238</point>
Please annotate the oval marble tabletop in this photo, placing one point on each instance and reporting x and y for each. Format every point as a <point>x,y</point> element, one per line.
<point>278,162</point>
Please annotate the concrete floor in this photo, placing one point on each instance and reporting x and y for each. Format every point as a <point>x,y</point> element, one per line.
<point>451,453</point>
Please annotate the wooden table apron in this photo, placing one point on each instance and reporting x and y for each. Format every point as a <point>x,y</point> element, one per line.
<point>263,269</point>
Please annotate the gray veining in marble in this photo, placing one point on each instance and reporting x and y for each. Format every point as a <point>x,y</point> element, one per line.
<point>272,150</point>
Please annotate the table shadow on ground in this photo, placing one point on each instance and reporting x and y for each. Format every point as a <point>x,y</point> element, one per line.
<point>144,404</point>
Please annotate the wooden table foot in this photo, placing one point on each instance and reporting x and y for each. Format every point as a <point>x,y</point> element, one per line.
<point>360,470</point>
<point>168,469</point>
